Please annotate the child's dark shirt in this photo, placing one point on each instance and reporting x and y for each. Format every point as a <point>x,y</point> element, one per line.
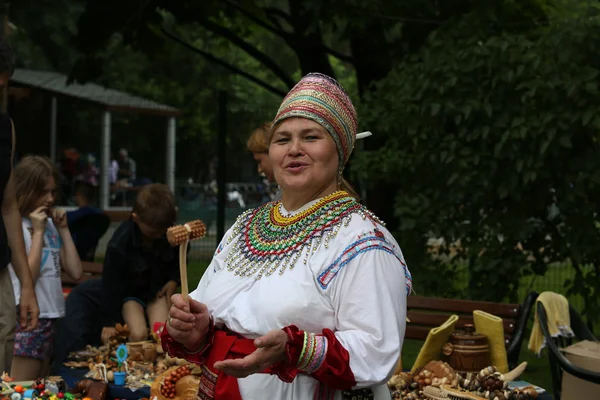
<point>134,270</point>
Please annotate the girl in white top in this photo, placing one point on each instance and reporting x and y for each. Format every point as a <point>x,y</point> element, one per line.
<point>49,247</point>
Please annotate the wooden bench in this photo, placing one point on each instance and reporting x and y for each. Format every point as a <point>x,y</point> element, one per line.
<point>426,313</point>
<point>91,270</point>
<point>118,215</point>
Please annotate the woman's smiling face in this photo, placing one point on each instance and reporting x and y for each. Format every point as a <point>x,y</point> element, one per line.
<point>304,158</point>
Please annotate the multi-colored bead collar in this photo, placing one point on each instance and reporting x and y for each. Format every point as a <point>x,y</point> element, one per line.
<point>266,240</point>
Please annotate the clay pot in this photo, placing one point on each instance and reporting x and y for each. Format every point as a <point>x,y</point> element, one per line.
<point>136,350</point>
<point>149,350</point>
<point>467,351</point>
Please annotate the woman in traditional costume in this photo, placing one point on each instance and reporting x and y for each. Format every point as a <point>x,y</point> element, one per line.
<point>305,297</point>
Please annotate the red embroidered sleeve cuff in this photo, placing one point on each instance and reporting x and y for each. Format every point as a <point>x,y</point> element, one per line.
<point>319,355</point>
<point>286,370</point>
<point>176,349</point>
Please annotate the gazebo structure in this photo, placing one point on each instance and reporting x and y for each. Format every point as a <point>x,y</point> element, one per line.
<point>55,84</point>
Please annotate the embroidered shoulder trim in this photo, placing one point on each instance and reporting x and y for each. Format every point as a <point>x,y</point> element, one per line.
<point>266,241</point>
<point>374,240</point>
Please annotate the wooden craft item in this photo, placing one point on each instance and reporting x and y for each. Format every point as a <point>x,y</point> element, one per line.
<point>95,390</point>
<point>467,351</point>
<point>180,235</point>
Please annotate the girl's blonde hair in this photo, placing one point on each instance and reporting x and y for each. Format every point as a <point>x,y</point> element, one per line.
<point>31,176</point>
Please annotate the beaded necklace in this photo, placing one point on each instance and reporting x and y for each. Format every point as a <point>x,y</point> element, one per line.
<point>266,240</point>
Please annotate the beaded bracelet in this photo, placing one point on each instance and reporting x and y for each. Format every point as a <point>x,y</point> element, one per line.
<point>313,353</point>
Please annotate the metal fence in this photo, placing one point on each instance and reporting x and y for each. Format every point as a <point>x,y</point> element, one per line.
<point>199,201</point>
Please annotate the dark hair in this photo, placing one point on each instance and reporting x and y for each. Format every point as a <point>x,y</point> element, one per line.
<point>31,176</point>
<point>86,190</point>
<point>155,206</point>
<point>7,63</point>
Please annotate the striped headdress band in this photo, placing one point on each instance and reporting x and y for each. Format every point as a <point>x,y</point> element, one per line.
<point>322,99</point>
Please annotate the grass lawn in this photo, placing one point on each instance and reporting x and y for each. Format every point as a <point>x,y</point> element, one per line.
<point>195,271</point>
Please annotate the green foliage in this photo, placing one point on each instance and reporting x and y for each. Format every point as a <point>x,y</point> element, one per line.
<point>492,141</point>
<point>43,32</point>
<point>159,70</point>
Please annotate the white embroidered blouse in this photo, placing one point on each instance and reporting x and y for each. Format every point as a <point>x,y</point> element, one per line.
<point>352,280</point>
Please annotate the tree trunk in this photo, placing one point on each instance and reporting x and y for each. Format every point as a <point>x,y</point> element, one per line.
<point>370,50</point>
<point>307,41</point>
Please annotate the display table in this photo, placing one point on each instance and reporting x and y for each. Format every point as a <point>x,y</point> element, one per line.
<point>73,375</point>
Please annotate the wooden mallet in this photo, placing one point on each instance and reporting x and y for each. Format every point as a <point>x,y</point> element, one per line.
<point>180,235</point>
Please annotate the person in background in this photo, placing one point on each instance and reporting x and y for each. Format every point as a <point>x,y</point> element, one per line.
<point>11,236</point>
<point>49,249</point>
<point>127,167</point>
<point>84,199</point>
<point>113,171</point>
<point>88,222</point>
<point>258,144</point>
<point>89,173</point>
<point>141,268</point>
<point>70,165</point>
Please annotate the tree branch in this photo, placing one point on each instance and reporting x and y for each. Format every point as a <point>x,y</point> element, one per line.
<point>275,12</point>
<point>279,31</point>
<point>249,49</point>
<point>256,19</point>
<point>338,55</point>
<point>223,64</point>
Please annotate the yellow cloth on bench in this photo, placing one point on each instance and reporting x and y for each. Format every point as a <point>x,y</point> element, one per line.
<point>559,320</point>
<point>491,327</point>
<point>436,339</point>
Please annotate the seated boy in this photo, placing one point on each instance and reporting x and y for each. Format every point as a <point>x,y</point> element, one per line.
<point>141,268</point>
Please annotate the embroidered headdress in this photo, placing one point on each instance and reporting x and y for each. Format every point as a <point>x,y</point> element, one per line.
<point>322,99</point>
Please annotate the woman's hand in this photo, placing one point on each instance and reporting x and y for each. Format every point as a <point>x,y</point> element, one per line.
<point>59,217</point>
<point>270,350</point>
<point>38,219</point>
<point>188,323</point>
